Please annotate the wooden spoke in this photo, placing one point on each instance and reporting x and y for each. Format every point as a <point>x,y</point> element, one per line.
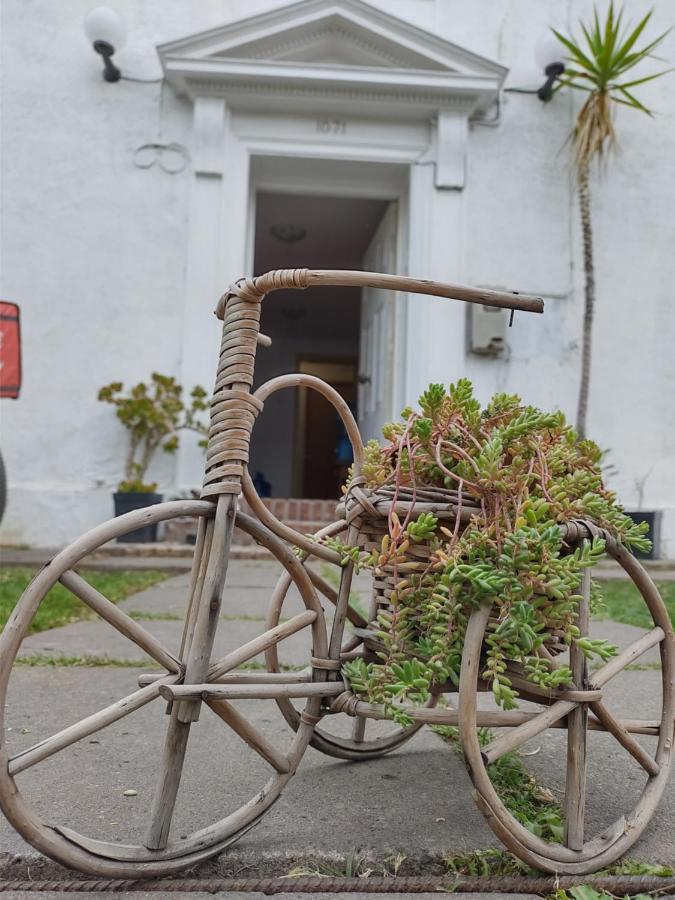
<point>251,691</point>
<point>575,781</point>
<point>331,594</point>
<point>262,642</point>
<point>497,718</point>
<point>198,651</point>
<point>529,729</point>
<point>358,729</point>
<point>120,620</point>
<point>249,733</point>
<point>171,769</point>
<point>247,678</point>
<point>197,654</point>
<point>626,657</point>
<point>548,695</point>
<point>202,550</point>
<point>342,604</point>
<point>621,733</point>
<point>91,724</point>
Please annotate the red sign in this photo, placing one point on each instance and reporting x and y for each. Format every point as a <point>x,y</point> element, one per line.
<point>10,350</point>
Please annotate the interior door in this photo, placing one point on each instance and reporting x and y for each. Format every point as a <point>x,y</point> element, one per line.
<point>378,318</point>
<point>321,466</point>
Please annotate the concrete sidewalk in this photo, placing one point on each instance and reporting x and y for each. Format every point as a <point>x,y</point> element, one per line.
<point>415,801</point>
<point>177,558</point>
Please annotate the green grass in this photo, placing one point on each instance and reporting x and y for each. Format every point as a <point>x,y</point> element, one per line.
<point>623,867</point>
<point>45,660</point>
<point>332,576</point>
<point>60,607</point>
<point>142,616</point>
<point>622,603</point>
<point>58,661</point>
<point>528,801</point>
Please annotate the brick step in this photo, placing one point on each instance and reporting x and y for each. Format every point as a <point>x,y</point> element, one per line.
<point>185,531</point>
<point>305,516</point>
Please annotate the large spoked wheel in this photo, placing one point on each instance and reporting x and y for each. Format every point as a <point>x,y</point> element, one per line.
<point>340,735</point>
<point>240,692</point>
<point>583,718</point>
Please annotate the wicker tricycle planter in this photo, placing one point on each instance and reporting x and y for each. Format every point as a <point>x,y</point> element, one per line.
<point>309,699</point>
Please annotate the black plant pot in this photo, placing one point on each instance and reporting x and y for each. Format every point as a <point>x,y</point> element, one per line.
<point>128,501</point>
<point>653,519</point>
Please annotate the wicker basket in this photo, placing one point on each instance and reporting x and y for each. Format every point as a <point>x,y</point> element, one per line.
<point>367,511</point>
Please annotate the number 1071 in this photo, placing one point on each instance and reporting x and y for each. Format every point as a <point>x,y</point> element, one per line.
<point>331,126</point>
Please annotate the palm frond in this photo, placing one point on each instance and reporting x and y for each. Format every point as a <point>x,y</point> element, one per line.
<point>606,51</point>
<point>576,52</point>
<point>627,84</point>
<point>634,102</point>
<point>609,41</point>
<point>564,82</point>
<point>629,42</point>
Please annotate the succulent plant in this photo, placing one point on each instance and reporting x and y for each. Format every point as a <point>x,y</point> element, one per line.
<point>525,474</point>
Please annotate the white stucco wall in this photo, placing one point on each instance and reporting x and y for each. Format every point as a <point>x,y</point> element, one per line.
<point>95,249</point>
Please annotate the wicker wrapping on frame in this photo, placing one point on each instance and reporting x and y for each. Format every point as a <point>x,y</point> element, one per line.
<point>233,408</point>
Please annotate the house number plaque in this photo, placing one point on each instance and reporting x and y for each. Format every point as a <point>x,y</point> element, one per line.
<point>331,126</point>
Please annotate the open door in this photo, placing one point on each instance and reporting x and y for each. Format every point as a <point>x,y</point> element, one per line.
<point>323,452</point>
<point>378,318</point>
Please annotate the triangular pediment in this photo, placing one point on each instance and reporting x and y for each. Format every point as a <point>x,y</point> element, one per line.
<point>333,40</point>
<point>347,44</point>
<point>348,32</point>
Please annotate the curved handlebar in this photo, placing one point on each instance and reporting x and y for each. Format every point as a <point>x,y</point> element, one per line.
<point>283,279</point>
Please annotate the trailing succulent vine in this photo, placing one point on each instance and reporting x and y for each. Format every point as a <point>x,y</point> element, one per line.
<point>518,474</point>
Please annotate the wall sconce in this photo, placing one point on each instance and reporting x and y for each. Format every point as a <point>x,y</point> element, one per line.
<point>549,54</point>
<point>106,30</point>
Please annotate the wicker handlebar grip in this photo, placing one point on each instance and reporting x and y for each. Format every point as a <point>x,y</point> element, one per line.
<point>234,409</point>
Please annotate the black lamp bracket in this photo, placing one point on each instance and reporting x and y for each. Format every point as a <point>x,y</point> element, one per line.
<point>110,70</point>
<point>553,71</point>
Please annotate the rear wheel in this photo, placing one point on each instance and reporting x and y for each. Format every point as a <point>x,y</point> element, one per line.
<point>640,750</point>
<point>340,735</point>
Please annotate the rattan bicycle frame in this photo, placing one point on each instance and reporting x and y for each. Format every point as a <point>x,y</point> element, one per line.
<point>193,679</point>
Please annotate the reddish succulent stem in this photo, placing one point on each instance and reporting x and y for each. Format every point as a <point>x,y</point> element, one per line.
<point>447,471</point>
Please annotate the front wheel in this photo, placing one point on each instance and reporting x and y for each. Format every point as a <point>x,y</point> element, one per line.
<point>94,810</point>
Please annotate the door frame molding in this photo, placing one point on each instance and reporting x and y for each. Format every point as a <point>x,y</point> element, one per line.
<point>238,153</point>
<point>400,94</point>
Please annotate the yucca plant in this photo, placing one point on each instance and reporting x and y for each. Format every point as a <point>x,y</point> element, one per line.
<point>599,65</point>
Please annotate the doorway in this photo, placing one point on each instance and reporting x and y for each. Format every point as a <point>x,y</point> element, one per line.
<point>338,334</point>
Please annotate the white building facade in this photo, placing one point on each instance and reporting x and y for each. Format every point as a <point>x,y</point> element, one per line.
<point>332,134</point>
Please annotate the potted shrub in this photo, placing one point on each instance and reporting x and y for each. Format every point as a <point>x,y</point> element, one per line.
<point>153,414</point>
<point>652,517</point>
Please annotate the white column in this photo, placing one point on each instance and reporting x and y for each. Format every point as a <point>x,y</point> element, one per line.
<point>452,131</point>
<point>204,279</point>
<point>435,328</point>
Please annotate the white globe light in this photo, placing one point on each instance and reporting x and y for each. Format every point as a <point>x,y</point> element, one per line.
<point>549,50</point>
<point>104,24</point>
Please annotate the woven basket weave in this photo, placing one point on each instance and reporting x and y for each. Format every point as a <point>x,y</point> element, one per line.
<point>368,510</point>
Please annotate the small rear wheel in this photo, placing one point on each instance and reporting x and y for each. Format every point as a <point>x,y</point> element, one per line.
<point>340,735</point>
